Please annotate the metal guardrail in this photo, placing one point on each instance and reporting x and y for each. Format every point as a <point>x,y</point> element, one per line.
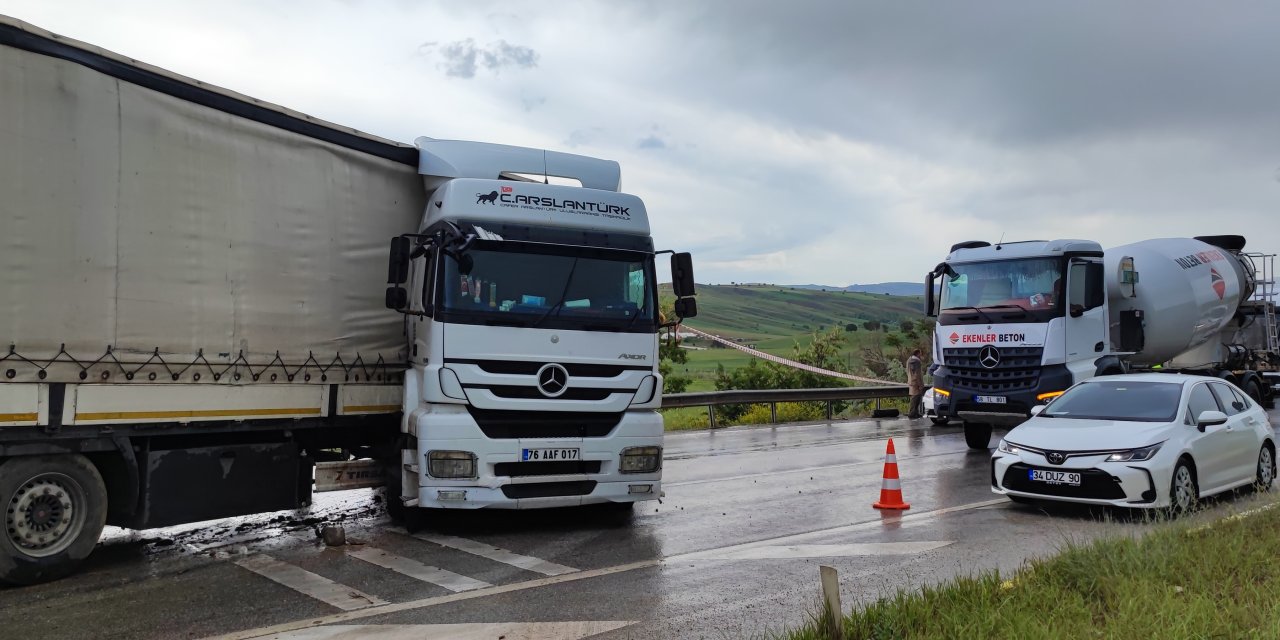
<point>772,397</point>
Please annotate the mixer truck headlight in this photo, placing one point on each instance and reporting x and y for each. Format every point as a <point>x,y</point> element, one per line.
<point>451,464</point>
<point>641,459</point>
<point>1044,397</point>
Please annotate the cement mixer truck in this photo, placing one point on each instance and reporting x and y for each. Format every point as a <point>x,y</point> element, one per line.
<point>1020,322</point>
<point>196,322</point>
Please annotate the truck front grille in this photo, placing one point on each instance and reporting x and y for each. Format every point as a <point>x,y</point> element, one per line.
<point>554,468</point>
<point>549,489</point>
<point>500,424</point>
<point>1018,369</point>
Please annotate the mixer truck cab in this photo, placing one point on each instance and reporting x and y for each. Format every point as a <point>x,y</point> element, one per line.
<point>1020,322</point>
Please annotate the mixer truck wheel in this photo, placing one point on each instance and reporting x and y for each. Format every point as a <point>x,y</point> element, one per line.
<point>977,435</point>
<point>55,508</point>
<point>1254,390</point>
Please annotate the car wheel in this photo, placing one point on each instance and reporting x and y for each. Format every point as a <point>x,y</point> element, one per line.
<point>939,422</point>
<point>55,508</point>
<point>977,435</point>
<point>1266,472</point>
<point>1184,493</point>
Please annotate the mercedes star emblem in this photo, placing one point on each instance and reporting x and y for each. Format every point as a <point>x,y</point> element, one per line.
<point>553,379</point>
<point>1056,457</point>
<point>989,357</point>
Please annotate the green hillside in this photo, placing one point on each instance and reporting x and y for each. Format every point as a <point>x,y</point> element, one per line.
<point>763,313</point>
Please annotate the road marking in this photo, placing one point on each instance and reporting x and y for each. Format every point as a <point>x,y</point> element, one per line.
<point>784,552</point>
<point>309,584</point>
<point>431,602</point>
<point>922,516</point>
<point>491,552</point>
<point>842,465</point>
<point>474,631</point>
<point>918,517</point>
<point>416,570</point>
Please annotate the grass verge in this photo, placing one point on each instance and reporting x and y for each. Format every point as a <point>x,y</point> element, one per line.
<point>1184,579</point>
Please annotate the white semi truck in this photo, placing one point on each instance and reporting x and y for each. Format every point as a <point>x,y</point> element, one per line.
<point>1019,322</point>
<point>194,321</point>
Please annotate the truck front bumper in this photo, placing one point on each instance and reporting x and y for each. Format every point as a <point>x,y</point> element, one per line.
<point>502,480</point>
<point>975,405</point>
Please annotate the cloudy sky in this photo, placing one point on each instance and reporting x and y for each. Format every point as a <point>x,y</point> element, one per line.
<point>790,142</point>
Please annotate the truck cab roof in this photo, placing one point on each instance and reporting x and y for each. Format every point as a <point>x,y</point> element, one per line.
<point>967,252</point>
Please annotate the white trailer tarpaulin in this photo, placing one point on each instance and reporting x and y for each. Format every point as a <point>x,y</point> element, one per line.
<point>139,227</point>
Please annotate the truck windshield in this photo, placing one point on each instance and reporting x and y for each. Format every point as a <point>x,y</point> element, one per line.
<point>550,287</point>
<point>1033,284</point>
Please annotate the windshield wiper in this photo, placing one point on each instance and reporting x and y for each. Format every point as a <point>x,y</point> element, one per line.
<point>1006,306</point>
<point>979,311</point>
<point>567,282</point>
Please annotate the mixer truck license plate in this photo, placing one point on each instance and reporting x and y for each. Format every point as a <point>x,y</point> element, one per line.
<point>990,399</point>
<point>1055,477</point>
<point>541,455</point>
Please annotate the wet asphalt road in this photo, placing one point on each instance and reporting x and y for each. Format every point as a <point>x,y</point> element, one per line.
<point>731,551</point>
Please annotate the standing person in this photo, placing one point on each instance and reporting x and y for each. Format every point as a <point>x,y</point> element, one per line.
<point>915,385</point>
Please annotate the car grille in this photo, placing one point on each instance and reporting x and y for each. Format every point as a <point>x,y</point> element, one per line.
<point>1018,370</point>
<point>1094,484</point>
<point>549,489</point>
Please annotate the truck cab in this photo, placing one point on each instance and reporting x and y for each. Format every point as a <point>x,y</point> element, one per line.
<point>531,313</point>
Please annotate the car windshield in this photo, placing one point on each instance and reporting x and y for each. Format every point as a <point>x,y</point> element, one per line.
<point>553,288</point>
<point>1031,284</point>
<point>1126,400</point>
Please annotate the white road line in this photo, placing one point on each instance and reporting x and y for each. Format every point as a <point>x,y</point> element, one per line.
<point>491,552</point>
<point>786,552</point>
<point>431,602</point>
<point>840,465</point>
<point>416,570</point>
<point>573,630</point>
<point>309,584</point>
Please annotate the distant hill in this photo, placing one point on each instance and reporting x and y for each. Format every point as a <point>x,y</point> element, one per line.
<point>890,288</point>
<point>760,312</point>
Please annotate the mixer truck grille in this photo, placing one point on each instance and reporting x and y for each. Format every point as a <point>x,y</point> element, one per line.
<point>1018,369</point>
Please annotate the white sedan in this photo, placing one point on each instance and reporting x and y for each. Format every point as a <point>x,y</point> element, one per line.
<point>1144,440</point>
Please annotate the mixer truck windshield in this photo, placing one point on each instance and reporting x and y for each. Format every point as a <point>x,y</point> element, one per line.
<point>550,287</point>
<point>1025,287</point>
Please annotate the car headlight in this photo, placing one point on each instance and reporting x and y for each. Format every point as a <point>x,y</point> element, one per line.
<point>1144,453</point>
<point>1008,447</point>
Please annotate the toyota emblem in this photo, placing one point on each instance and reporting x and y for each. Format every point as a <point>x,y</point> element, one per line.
<point>989,357</point>
<point>1056,457</point>
<point>553,379</point>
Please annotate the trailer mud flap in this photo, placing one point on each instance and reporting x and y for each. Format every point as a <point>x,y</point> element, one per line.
<point>204,483</point>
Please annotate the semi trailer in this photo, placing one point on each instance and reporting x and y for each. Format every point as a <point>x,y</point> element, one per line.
<point>212,306</point>
<point>1020,322</point>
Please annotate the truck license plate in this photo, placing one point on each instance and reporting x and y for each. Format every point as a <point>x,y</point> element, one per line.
<point>543,455</point>
<point>1055,477</point>
<point>990,399</point>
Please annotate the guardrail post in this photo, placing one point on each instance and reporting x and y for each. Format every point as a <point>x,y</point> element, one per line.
<point>711,416</point>
<point>829,414</point>
<point>773,412</point>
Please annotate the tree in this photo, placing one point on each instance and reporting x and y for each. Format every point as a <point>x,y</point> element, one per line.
<point>851,327</point>
<point>871,325</point>
<point>671,353</point>
<point>824,352</point>
<point>907,326</point>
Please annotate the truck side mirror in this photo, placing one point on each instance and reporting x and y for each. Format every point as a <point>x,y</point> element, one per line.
<point>398,260</point>
<point>397,298</point>
<point>929,302</point>
<point>686,307</point>
<point>682,275</point>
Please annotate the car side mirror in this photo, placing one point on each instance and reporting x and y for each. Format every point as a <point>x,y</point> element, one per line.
<point>1210,418</point>
<point>1035,411</point>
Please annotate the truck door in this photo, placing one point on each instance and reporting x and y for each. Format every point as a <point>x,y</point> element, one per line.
<point>1086,313</point>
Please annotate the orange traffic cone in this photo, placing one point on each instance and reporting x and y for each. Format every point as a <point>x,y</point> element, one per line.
<point>891,488</point>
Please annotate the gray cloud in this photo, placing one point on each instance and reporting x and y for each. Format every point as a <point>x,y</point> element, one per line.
<point>651,142</point>
<point>463,58</point>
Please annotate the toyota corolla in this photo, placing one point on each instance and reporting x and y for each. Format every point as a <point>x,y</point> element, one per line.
<point>1147,440</point>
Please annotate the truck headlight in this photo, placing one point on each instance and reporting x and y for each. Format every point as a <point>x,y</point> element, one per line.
<point>451,464</point>
<point>641,460</point>
<point>1131,455</point>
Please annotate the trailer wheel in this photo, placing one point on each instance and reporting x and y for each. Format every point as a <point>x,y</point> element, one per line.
<point>55,508</point>
<point>1254,390</point>
<point>977,435</point>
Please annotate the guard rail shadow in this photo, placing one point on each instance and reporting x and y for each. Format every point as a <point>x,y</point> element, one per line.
<point>772,397</point>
